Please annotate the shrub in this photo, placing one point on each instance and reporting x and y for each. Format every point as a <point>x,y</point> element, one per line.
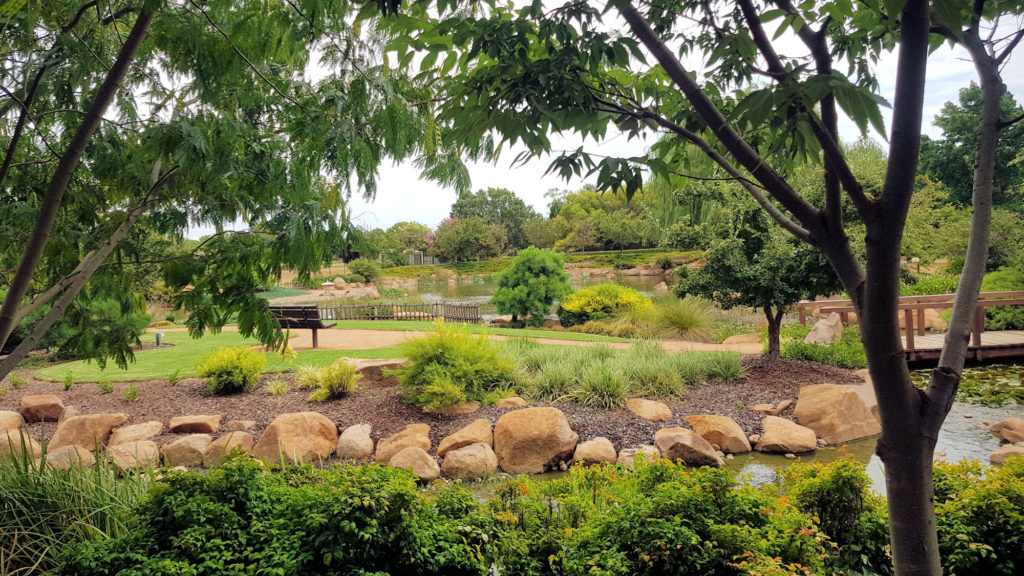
<point>602,386</point>
<point>1004,317</point>
<point>4,390</point>
<point>277,387</point>
<point>307,377</point>
<point>554,380</point>
<point>600,301</point>
<point>16,380</point>
<point>232,369</point>
<point>847,353</point>
<point>724,366</point>
<point>69,380</point>
<point>366,268</point>
<point>664,261</point>
<point>336,381</point>
<point>450,365</point>
<point>174,378</point>
<point>353,278</point>
<point>531,285</point>
<point>941,283</point>
<point>131,393</point>
<point>105,386</point>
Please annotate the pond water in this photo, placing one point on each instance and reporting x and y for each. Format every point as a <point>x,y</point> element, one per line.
<point>479,290</point>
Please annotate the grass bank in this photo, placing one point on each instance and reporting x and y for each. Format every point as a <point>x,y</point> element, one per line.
<point>427,326</point>
<point>597,259</point>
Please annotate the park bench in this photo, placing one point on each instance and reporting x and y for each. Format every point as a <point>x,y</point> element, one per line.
<point>300,317</point>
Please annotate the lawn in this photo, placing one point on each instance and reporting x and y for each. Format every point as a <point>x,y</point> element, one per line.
<point>182,357</point>
<point>426,326</point>
<point>281,292</point>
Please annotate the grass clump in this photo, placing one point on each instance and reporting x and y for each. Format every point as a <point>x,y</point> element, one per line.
<point>16,380</point>
<point>232,370</point>
<point>68,380</point>
<point>450,366</point>
<point>131,393</point>
<point>277,387</point>
<point>602,386</point>
<point>175,378</point>
<point>848,352</point>
<point>4,390</point>
<point>335,381</point>
<point>105,386</point>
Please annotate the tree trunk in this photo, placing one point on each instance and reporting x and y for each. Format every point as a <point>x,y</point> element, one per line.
<point>774,329</point>
<point>51,200</point>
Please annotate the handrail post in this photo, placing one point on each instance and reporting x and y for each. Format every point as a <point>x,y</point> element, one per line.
<point>908,316</point>
<point>803,316</point>
<point>979,325</point>
<point>920,321</point>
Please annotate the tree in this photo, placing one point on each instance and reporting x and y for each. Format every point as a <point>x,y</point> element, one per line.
<point>500,207</point>
<point>410,235</point>
<point>950,159</point>
<point>531,285</point>
<point>130,115</point>
<point>756,107</point>
<point>756,265</point>
<point>462,239</point>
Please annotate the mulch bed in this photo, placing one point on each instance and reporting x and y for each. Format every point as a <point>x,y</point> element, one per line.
<point>379,402</point>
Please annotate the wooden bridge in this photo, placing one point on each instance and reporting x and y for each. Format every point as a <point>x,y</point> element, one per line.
<point>919,345</point>
<point>385,311</point>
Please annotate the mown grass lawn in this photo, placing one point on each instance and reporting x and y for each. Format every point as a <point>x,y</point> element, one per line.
<point>426,326</point>
<point>185,354</point>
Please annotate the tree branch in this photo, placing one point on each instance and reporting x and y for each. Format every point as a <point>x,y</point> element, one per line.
<point>22,120</point>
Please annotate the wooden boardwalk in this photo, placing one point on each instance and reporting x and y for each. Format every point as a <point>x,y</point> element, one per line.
<point>994,344</point>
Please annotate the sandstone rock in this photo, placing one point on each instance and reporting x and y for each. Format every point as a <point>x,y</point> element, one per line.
<point>1005,453</point>
<point>1007,426</point>
<point>240,425</point>
<point>661,289</point>
<point>87,430</point>
<point>533,440</point>
<point>39,407</point>
<point>219,449</point>
<point>781,436</point>
<point>866,392</point>
<point>511,402</point>
<point>339,283</point>
<point>196,424</point>
<point>18,442</point>
<point>720,430</point>
<point>134,455</point>
<point>68,457</point>
<point>766,409</point>
<point>10,421</point>
<point>598,450</point>
<point>479,431</point>
<point>460,409</point>
<point>69,412</point>
<point>836,413</point>
<point>754,439</point>
<point>864,374</point>
<point>684,444</point>
<point>298,437</point>
<point>628,456</point>
<point>472,461</point>
<point>933,320</point>
<point>1012,436</point>
<point>418,461</point>
<point>187,451</point>
<point>135,432</point>
<point>826,331</point>
<point>413,435</point>
<point>743,339</point>
<point>650,410</point>
<point>355,442</point>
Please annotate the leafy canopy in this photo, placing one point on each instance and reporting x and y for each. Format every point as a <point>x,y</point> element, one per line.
<point>531,285</point>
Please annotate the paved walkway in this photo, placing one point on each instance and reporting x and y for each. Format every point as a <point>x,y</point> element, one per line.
<point>370,339</point>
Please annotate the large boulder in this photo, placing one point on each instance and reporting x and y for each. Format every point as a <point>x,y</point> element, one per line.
<point>19,443</point>
<point>835,413</point>
<point>720,430</point>
<point>10,420</point>
<point>1006,452</point>
<point>187,451</point>
<point>134,455</point>
<point>781,436</point>
<point>414,435</point>
<point>69,457</point>
<point>1008,429</point>
<point>479,431</point>
<point>598,450</point>
<point>629,455</point>
<point>418,461</point>
<point>472,461</point>
<point>40,407</point>
<point>136,432</point>
<point>650,410</point>
<point>684,444</point>
<point>240,425</point>
<point>533,440</point>
<point>219,449</point>
<point>826,331</point>
<point>355,442</point>
<point>511,402</point>
<point>298,437</point>
<point>195,424</point>
<point>87,430</point>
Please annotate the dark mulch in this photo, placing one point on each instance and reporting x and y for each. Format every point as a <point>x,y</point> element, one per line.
<point>379,402</point>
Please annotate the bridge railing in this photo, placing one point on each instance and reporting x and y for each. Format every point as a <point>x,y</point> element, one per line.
<point>452,312</point>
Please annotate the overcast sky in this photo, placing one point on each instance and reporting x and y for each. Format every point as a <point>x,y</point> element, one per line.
<point>403,196</point>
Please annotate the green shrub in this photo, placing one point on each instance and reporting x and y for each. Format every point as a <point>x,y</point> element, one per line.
<point>689,318</point>
<point>555,380</point>
<point>940,283</point>
<point>4,390</point>
<point>847,353</point>
<point>68,380</point>
<point>691,367</point>
<point>231,370</point>
<point>16,380</point>
<point>724,366</point>
<point>131,393</point>
<point>664,261</point>
<point>175,378</point>
<point>598,302</point>
<point>531,285</point>
<point>366,268</point>
<point>277,387</point>
<point>335,381</point>
<point>602,385</point>
<point>1004,317</point>
<point>105,386</point>
<point>451,365</point>
<point>307,377</point>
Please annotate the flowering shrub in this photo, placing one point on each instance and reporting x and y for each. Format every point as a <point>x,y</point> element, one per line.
<point>600,301</point>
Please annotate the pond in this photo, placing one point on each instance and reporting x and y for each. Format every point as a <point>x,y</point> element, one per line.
<point>478,290</point>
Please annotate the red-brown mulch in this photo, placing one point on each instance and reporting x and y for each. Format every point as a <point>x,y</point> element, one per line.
<point>378,401</point>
